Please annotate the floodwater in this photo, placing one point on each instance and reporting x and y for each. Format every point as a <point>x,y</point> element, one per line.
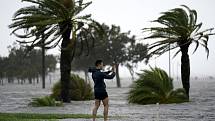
<point>15,98</point>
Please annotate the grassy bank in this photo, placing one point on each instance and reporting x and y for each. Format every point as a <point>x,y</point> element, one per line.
<point>40,117</point>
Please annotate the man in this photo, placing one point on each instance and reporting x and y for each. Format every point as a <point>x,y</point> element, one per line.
<point>100,92</point>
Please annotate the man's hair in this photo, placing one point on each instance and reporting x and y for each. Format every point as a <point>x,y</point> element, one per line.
<point>98,62</point>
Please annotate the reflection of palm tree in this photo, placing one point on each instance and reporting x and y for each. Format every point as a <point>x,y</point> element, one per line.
<point>59,19</point>
<point>179,29</point>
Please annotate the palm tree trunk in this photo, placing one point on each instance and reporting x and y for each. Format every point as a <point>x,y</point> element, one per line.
<point>43,66</point>
<point>117,76</point>
<point>185,68</point>
<point>65,64</point>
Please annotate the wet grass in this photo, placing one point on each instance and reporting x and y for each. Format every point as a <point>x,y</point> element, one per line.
<point>41,117</point>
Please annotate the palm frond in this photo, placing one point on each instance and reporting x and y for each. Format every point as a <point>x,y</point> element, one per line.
<point>155,86</point>
<point>178,27</point>
<point>48,18</point>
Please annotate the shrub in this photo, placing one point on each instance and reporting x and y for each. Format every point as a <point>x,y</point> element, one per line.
<point>79,89</point>
<point>45,101</point>
<point>154,86</point>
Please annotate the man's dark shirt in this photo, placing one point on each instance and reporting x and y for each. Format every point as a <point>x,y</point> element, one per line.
<point>98,78</point>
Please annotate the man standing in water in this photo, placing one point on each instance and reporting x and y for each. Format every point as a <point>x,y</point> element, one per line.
<point>100,92</point>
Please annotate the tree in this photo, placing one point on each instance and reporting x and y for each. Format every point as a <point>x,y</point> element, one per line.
<point>137,52</point>
<point>82,63</point>
<point>60,20</point>
<point>179,30</point>
<point>21,65</point>
<point>116,48</point>
<point>122,49</point>
<point>2,70</point>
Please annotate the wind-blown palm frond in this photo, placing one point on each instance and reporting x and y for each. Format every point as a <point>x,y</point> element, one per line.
<point>48,17</point>
<point>47,23</point>
<point>178,28</point>
<point>154,86</point>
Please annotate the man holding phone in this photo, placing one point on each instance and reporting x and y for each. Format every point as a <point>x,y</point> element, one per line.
<point>100,92</point>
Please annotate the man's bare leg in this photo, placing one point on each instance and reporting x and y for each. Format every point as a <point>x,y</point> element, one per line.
<point>97,104</point>
<point>106,106</point>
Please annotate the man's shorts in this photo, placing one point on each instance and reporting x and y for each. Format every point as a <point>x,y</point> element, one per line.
<point>100,95</point>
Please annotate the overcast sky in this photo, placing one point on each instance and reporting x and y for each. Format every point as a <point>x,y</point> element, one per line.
<point>133,15</point>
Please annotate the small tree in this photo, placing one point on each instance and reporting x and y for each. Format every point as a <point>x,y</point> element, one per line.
<point>116,48</point>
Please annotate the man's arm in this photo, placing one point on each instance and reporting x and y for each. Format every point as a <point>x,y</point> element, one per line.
<point>107,72</point>
<point>107,76</point>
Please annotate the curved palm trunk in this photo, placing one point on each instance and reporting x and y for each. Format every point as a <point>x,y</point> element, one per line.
<point>185,68</point>
<point>65,63</point>
<point>117,76</point>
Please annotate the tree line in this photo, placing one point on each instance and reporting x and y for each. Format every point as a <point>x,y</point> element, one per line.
<point>22,66</point>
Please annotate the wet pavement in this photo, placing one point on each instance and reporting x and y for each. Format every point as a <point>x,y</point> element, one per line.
<point>15,98</point>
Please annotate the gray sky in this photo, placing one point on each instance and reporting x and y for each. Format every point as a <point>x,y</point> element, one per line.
<point>133,15</point>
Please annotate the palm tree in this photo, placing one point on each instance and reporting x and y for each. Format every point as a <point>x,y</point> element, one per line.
<point>179,29</point>
<point>155,86</point>
<point>60,20</point>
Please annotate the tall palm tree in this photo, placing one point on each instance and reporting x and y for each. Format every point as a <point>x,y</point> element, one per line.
<point>60,20</point>
<point>179,29</point>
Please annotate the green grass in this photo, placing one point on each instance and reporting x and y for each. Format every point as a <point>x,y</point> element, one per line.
<point>41,117</point>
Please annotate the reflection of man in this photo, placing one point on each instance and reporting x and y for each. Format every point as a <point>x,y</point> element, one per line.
<point>100,87</point>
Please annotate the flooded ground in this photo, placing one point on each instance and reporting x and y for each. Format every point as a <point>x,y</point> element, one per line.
<point>15,98</point>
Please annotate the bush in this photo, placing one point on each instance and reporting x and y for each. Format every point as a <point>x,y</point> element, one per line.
<point>45,101</point>
<point>154,86</point>
<point>79,89</point>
